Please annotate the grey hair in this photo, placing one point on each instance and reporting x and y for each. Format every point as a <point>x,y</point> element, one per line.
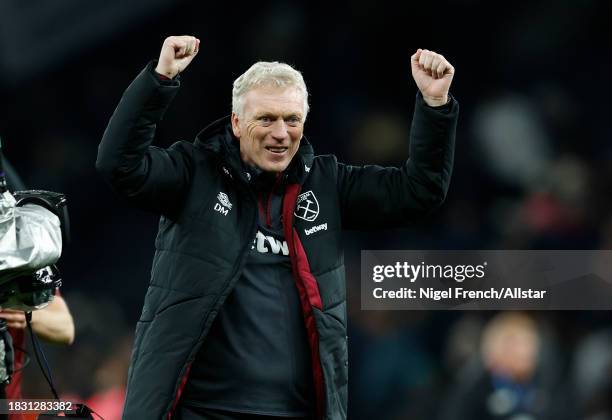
<point>267,73</point>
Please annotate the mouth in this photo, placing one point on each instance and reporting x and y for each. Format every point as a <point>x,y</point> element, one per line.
<point>278,150</point>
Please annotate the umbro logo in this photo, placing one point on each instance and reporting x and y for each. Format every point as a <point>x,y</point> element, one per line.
<point>224,200</point>
<point>224,205</point>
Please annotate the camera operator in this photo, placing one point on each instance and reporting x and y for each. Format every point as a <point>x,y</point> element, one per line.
<point>53,324</point>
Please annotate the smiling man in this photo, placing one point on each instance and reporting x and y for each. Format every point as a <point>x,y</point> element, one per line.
<point>268,120</point>
<point>245,315</point>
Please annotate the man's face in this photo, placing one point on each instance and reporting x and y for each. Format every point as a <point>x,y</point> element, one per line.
<point>270,127</point>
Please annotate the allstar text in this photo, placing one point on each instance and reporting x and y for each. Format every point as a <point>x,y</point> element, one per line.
<point>460,293</point>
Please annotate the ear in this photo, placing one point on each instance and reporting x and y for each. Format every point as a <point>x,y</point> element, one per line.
<point>235,125</point>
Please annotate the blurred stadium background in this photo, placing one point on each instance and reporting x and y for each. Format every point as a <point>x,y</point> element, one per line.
<point>533,171</point>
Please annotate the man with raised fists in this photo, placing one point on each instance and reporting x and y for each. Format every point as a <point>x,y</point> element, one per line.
<point>245,315</point>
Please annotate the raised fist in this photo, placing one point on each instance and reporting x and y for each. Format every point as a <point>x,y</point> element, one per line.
<point>176,54</point>
<point>433,75</point>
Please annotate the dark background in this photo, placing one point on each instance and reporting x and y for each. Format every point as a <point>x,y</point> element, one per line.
<point>532,164</point>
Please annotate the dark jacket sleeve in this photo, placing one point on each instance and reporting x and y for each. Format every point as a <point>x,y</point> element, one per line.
<point>376,197</point>
<point>152,178</point>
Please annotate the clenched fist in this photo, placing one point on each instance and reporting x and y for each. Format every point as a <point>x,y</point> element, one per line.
<point>176,54</point>
<point>433,75</point>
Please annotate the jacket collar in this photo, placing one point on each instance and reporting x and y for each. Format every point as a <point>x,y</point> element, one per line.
<point>219,139</point>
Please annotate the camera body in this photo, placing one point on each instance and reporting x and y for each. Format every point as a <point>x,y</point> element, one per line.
<point>33,224</point>
<point>55,202</point>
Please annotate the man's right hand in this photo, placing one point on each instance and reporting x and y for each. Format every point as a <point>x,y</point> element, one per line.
<point>176,54</point>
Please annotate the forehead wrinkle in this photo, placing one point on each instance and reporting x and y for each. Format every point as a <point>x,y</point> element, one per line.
<point>275,101</point>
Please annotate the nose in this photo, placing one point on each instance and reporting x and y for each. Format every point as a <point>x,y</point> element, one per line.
<point>279,130</point>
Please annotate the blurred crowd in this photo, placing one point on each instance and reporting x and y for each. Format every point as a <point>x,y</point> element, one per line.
<point>533,171</point>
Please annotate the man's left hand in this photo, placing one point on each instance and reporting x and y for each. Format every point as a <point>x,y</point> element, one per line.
<point>433,75</point>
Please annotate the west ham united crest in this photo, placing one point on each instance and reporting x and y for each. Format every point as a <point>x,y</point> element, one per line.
<point>307,206</point>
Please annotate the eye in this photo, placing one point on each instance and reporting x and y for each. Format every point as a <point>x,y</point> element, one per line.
<point>265,120</point>
<point>293,120</point>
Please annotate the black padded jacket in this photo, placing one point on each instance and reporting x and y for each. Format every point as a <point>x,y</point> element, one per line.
<point>209,220</point>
